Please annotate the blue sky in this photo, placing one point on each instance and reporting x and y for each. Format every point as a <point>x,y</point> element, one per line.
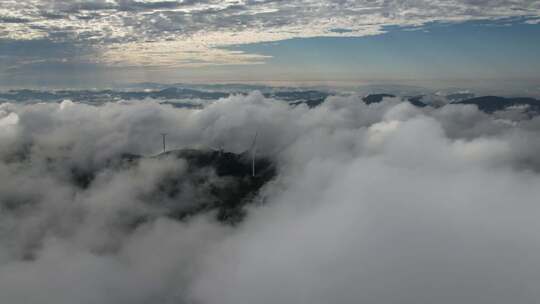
<point>507,49</point>
<point>99,43</point>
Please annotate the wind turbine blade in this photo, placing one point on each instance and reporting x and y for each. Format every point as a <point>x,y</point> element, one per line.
<point>254,141</point>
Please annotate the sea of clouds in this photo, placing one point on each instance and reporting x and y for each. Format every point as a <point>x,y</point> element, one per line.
<point>381,203</point>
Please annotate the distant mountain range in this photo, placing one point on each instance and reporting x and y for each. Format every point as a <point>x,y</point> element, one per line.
<point>195,98</point>
<point>455,97</point>
<point>92,96</point>
<point>376,98</point>
<point>487,104</point>
<point>180,97</point>
<point>490,104</point>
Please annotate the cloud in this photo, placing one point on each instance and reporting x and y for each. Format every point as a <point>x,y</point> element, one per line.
<point>380,203</point>
<point>208,26</point>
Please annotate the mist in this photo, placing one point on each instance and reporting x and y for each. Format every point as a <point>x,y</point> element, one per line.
<point>380,203</point>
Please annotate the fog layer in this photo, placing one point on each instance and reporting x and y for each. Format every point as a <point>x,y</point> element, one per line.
<point>381,203</point>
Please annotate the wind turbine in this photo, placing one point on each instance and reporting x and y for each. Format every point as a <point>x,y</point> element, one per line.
<point>164,135</point>
<point>253,150</point>
<point>219,149</point>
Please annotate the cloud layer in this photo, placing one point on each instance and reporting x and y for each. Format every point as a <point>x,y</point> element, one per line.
<point>192,33</point>
<point>385,203</point>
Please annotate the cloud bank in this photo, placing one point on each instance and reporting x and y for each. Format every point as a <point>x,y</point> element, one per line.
<point>380,203</point>
<point>128,33</point>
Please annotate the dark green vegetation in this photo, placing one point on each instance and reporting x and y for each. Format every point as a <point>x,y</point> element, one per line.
<point>216,182</point>
<point>227,190</point>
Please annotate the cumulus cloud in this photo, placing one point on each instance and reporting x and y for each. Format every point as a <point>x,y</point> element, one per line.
<point>202,28</point>
<point>380,203</point>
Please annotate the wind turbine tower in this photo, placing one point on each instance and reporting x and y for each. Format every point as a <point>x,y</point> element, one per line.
<point>253,152</point>
<point>164,135</point>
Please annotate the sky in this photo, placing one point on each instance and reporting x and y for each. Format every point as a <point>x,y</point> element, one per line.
<point>379,203</point>
<point>428,42</point>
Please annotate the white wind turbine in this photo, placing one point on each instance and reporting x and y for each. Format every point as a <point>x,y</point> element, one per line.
<point>253,150</point>
<point>164,135</point>
<point>220,148</point>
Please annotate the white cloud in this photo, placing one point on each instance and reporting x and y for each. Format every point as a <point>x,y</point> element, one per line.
<point>383,203</point>
<point>207,25</point>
